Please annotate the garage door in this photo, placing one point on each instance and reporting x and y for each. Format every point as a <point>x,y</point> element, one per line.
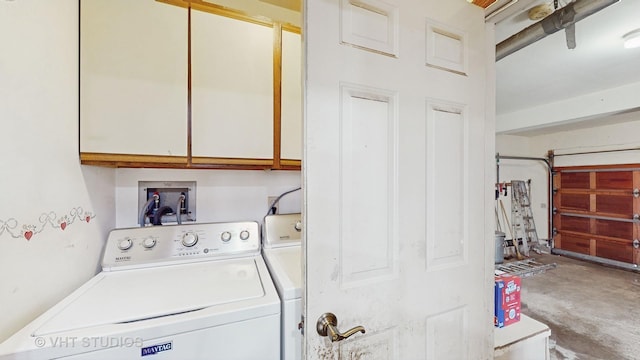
<point>596,211</point>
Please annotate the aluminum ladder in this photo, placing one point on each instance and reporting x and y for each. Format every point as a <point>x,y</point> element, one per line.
<point>524,268</point>
<point>522,223</point>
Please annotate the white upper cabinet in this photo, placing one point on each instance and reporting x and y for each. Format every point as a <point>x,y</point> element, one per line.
<point>133,76</point>
<point>291,114</point>
<point>220,88</point>
<point>232,87</point>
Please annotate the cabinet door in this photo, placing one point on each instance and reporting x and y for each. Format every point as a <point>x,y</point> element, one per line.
<point>291,118</point>
<point>133,76</point>
<point>232,88</point>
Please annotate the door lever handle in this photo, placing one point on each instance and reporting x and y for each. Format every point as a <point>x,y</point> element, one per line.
<point>327,326</point>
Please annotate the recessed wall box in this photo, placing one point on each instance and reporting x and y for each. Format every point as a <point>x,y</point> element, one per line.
<point>169,202</point>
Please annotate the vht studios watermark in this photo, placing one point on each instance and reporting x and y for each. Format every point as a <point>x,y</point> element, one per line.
<point>87,341</point>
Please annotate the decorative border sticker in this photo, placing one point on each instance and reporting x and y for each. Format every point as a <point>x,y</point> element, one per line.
<point>47,220</point>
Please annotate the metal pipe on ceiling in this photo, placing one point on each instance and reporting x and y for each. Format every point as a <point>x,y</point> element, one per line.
<point>560,19</point>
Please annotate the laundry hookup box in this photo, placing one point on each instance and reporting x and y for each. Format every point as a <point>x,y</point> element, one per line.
<point>507,300</point>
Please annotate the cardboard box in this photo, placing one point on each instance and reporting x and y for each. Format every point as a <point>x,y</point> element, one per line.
<point>507,300</point>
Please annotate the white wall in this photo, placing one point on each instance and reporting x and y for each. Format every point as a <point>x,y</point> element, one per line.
<point>221,195</point>
<point>603,138</point>
<point>510,145</point>
<point>42,183</point>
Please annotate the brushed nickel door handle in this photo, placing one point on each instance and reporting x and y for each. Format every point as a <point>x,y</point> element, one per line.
<point>327,326</point>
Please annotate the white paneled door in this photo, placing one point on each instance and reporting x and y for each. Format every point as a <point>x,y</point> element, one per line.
<point>395,164</point>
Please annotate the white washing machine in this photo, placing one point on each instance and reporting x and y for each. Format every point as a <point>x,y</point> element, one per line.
<point>282,250</point>
<point>198,291</point>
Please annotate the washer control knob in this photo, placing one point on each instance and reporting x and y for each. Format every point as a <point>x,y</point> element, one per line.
<point>244,235</point>
<point>226,236</point>
<point>149,242</point>
<point>189,239</point>
<point>125,244</point>
<point>298,226</point>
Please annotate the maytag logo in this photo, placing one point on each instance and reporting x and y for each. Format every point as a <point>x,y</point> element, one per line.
<point>152,350</point>
<point>123,258</point>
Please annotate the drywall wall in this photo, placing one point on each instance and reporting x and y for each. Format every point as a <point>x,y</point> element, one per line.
<point>55,213</point>
<point>603,144</point>
<point>221,195</point>
<point>599,140</point>
<point>536,171</point>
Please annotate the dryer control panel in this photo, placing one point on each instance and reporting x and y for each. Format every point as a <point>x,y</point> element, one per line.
<point>282,230</point>
<point>170,244</point>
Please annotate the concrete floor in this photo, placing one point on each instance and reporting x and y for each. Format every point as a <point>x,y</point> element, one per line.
<point>592,310</point>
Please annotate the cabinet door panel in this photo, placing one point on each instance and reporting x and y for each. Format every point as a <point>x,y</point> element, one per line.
<point>232,87</point>
<point>291,118</point>
<point>133,75</point>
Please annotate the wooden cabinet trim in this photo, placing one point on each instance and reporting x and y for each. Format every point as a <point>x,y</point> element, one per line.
<point>88,158</point>
<point>277,93</point>
<point>220,10</point>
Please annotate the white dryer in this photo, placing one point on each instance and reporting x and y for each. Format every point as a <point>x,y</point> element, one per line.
<point>198,291</point>
<point>282,250</point>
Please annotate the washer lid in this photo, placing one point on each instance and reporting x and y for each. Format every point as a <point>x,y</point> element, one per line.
<point>135,295</point>
<point>285,264</point>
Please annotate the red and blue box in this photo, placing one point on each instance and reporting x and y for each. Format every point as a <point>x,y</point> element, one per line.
<point>507,300</point>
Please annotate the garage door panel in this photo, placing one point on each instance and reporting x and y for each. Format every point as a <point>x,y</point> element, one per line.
<point>614,180</point>
<point>594,210</point>
<point>617,229</point>
<point>578,202</point>
<point>615,204</point>
<point>578,244</point>
<point>578,180</point>
<point>615,250</point>
<point>577,224</point>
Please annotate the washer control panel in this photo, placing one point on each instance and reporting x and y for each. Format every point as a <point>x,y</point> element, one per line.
<point>282,230</point>
<point>155,245</point>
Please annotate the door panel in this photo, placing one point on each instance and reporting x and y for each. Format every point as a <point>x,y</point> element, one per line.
<point>396,152</point>
<point>578,224</point>
<point>615,250</point>
<point>578,180</point>
<point>133,76</point>
<point>614,180</point>
<point>367,153</point>
<point>596,211</point>
<point>291,97</point>
<point>580,202</point>
<point>232,86</point>
<point>575,243</point>
<point>614,204</point>
<point>446,154</point>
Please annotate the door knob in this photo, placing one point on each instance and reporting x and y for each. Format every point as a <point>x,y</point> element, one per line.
<point>327,326</point>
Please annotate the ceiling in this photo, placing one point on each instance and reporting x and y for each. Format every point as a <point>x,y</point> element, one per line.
<point>547,80</point>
